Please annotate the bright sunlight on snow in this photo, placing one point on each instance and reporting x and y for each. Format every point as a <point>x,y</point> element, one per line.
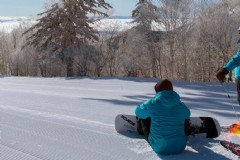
<point>73,119</point>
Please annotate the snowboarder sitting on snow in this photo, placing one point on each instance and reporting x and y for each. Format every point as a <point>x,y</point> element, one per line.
<point>162,120</point>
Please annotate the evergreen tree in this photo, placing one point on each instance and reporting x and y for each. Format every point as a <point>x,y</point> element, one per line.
<point>144,14</point>
<point>67,24</point>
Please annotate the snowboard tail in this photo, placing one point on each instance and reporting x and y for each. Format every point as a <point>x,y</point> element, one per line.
<point>197,125</point>
<point>125,124</point>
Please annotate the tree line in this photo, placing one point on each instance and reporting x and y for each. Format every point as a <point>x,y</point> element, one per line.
<point>184,40</point>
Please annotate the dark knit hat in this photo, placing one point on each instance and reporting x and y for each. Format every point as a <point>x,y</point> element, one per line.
<point>163,85</point>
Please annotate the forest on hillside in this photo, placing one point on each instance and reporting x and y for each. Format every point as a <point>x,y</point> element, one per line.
<point>184,40</point>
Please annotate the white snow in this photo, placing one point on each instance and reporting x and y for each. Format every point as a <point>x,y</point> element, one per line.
<point>113,24</point>
<point>73,119</point>
<point>7,24</point>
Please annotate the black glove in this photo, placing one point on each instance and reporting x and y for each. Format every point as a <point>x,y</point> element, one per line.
<point>221,74</point>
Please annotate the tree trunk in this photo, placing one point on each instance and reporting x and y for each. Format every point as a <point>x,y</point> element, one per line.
<point>70,67</point>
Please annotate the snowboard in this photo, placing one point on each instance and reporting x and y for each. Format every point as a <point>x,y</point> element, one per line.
<point>234,148</point>
<point>127,125</point>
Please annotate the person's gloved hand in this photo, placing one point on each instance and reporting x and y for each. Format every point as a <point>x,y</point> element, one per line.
<point>221,74</point>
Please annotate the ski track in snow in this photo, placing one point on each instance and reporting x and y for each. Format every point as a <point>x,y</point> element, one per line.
<point>73,119</point>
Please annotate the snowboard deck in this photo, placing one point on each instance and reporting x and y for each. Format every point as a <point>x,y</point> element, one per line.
<point>234,148</point>
<point>127,125</point>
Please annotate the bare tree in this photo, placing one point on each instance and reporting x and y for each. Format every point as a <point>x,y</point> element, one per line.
<point>145,15</point>
<point>111,41</point>
<point>5,50</point>
<point>107,47</point>
<point>173,14</point>
<point>216,34</point>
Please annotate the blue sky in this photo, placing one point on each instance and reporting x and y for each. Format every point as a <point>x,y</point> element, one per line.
<point>33,7</point>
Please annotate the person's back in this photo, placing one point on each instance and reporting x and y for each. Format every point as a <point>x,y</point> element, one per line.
<point>168,115</point>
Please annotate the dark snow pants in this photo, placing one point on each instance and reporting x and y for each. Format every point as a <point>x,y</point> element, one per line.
<point>143,126</point>
<point>238,90</point>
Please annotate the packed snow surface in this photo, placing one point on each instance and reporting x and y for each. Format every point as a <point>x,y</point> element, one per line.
<point>73,118</point>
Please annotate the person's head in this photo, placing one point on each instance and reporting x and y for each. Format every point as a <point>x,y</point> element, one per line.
<point>163,85</point>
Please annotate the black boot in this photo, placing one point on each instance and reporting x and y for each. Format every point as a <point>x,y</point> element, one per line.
<point>143,126</point>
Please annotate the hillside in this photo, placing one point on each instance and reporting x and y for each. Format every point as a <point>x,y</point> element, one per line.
<point>7,24</point>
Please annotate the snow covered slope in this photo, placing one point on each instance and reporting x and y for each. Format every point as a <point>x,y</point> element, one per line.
<point>112,24</point>
<point>73,119</point>
<point>7,24</point>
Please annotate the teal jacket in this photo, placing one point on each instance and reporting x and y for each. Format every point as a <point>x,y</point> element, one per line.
<point>167,115</point>
<point>234,63</point>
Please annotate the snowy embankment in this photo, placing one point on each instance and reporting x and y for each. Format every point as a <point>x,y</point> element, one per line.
<point>73,119</point>
<point>7,24</point>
